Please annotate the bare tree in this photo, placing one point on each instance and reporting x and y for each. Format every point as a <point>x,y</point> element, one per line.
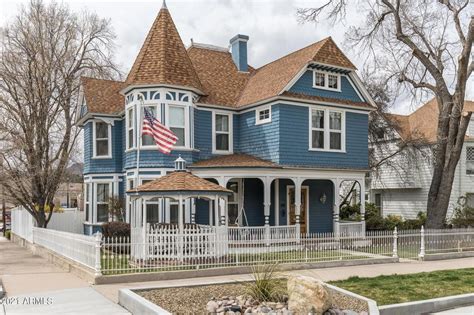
<point>44,52</point>
<point>425,45</point>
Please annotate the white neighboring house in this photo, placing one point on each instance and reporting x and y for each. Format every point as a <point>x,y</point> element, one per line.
<point>401,186</point>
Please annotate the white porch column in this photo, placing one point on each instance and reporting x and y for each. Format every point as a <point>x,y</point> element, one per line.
<point>193,210</point>
<point>362,203</point>
<point>216,211</point>
<point>297,204</point>
<point>144,227</point>
<point>267,184</point>
<point>337,201</point>
<point>180,214</point>
<point>210,203</point>
<point>222,204</point>
<point>276,204</point>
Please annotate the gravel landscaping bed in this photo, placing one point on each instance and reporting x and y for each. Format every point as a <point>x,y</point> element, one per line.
<point>186,300</point>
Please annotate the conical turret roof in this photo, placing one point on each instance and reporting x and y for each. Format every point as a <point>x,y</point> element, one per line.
<point>163,58</point>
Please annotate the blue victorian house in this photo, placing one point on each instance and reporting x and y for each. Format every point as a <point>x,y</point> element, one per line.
<point>283,137</point>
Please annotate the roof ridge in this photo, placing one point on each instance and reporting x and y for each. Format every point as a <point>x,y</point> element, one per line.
<point>91,78</point>
<point>294,52</point>
<point>208,47</point>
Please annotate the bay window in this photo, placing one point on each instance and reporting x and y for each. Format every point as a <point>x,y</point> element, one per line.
<point>102,201</point>
<point>148,140</point>
<point>177,123</point>
<point>130,128</point>
<point>327,130</point>
<point>222,133</point>
<point>102,146</point>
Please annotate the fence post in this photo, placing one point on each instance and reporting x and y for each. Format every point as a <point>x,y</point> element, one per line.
<point>421,255</point>
<point>395,243</point>
<point>98,240</point>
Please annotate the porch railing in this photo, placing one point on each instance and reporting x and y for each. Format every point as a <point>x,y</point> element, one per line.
<point>352,228</point>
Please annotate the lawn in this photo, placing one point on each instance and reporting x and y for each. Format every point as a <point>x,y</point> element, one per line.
<point>405,288</point>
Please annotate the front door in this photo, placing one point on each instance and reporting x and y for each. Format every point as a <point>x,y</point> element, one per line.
<point>304,206</point>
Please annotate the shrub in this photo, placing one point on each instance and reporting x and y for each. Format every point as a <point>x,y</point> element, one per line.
<point>116,229</point>
<point>463,217</point>
<point>374,221</point>
<point>8,234</point>
<point>265,285</point>
<point>350,212</point>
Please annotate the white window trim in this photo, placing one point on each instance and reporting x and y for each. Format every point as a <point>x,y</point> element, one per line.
<point>259,121</point>
<point>230,133</point>
<point>186,124</point>
<point>327,131</point>
<point>127,129</point>
<point>326,81</point>
<point>95,211</point>
<point>94,141</point>
<point>468,160</point>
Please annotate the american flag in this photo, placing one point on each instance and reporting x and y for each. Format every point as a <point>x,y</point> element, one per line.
<point>164,137</point>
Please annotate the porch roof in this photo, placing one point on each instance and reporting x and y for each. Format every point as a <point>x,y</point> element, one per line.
<point>180,181</point>
<point>234,160</point>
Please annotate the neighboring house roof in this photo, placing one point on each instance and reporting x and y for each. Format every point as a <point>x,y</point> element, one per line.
<point>234,160</point>
<point>179,181</point>
<point>103,96</point>
<point>422,124</point>
<point>211,72</point>
<point>163,58</point>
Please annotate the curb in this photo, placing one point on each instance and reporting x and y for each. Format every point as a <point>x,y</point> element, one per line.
<point>138,305</point>
<point>428,306</point>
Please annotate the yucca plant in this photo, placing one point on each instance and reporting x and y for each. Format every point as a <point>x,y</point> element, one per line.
<point>265,285</point>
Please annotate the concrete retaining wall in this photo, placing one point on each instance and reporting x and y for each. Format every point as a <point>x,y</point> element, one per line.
<point>444,256</point>
<point>428,306</point>
<point>184,274</point>
<point>344,299</point>
<point>138,305</point>
<point>67,264</point>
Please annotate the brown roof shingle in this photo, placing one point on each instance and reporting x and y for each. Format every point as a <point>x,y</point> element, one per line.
<point>235,160</point>
<point>103,96</point>
<point>269,80</point>
<point>218,74</point>
<point>163,58</point>
<point>422,124</point>
<point>180,181</point>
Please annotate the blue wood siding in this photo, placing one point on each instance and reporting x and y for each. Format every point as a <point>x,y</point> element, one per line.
<point>203,132</point>
<point>319,214</point>
<point>253,201</point>
<point>294,141</point>
<point>112,165</point>
<point>259,140</point>
<point>202,211</point>
<point>304,85</point>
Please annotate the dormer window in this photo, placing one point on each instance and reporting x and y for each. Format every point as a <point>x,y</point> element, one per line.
<point>326,80</point>
<point>263,115</point>
<point>102,146</point>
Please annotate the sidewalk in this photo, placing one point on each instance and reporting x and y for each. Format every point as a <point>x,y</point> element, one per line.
<point>26,276</point>
<point>324,274</point>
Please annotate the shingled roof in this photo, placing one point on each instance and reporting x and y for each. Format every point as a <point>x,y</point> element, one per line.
<point>218,74</point>
<point>211,72</point>
<point>269,80</point>
<point>163,58</point>
<point>234,160</point>
<point>181,181</point>
<point>103,96</point>
<point>422,124</point>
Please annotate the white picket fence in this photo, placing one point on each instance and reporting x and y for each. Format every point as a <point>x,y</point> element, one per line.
<point>83,249</point>
<point>22,224</point>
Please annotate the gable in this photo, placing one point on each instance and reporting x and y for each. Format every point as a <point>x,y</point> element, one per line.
<point>304,86</point>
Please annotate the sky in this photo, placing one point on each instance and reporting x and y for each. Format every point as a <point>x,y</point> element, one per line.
<point>272,25</point>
